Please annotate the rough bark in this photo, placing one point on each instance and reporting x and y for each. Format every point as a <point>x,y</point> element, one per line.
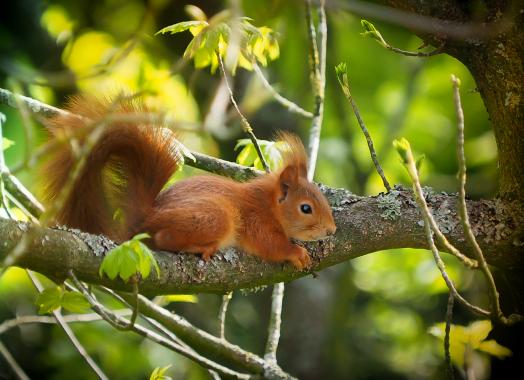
<point>365,225</point>
<point>494,54</point>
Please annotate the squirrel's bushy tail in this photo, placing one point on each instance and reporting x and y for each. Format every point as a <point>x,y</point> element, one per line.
<point>125,167</point>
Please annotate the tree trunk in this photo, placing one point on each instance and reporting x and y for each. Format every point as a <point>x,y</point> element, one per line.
<point>490,43</point>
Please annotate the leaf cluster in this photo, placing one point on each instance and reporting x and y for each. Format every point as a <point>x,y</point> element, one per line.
<point>225,34</point>
<point>130,259</point>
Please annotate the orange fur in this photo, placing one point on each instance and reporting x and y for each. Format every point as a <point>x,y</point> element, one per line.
<point>128,167</point>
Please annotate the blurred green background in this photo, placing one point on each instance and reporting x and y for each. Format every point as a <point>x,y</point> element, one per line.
<point>365,319</point>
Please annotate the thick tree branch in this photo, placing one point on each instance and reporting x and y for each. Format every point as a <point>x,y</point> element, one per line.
<point>365,225</point>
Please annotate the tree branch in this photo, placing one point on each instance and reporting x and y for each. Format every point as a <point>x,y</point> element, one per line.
<point>365,225</point>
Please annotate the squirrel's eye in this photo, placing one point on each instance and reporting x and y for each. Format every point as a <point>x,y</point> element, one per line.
<point>305,208</point>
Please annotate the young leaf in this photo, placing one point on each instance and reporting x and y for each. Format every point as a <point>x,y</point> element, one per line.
<point>371,31</point>
<point>492,348</point>
<point>181,27</point>
<point>247,155</point>
<point>160,373</point>
<point>49,300</point>
<point>165,300</point>
<point>403,148</point>
<point>128,259</point>
<point>212,37</point>
<point>472,336</point>
<point>195,12</point>
<point>75,302</point>
<point>6,143</point>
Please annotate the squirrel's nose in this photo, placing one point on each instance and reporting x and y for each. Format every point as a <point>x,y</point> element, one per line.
<point>331,231</point>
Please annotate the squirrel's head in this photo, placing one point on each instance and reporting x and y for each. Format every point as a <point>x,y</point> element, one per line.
<point>304,211</point>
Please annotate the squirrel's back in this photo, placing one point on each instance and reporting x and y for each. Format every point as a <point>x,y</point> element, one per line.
<point>121,165</point>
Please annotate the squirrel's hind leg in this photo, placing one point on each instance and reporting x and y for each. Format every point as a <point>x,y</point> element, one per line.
<point>203,227</point>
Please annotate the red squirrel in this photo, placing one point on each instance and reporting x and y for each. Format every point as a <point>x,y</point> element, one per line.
<point>128,166</point>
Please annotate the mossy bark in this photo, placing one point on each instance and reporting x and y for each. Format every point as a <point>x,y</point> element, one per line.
<point>488,38</point>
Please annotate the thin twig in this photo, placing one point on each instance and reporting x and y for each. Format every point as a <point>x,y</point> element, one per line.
<point>20,192</point>
<point>449,316</point>
<point>288,104</point>
<point>343,80</point>
<point>134,307</point>
<point>28,127</point>
<point>203,339</point>
<point>463,212</point>
<point>437,51</point>
<point>396,121</point>
<point>18,371</point>
<point>70,334</point>
<point>197,160</point>
<point>409,162</point>
<point>157,325</point>
<point>3,168</point>
<point>44,319</point>
<point>318,80</point>
<point>245,123</point>
<point>222,314</point>
<point>274,323</point>
<point>113,319</point>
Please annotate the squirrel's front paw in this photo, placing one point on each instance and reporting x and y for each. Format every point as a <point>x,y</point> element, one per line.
<point>300,258</point>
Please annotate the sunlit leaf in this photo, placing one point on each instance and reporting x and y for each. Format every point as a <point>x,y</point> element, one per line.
<point>478,331</point>
<point>6,143</point>
<point>212,37</point>
<point>494,349</point>
<point>371,31</point>
<point>247,155</point>
<point>181,27</point>
<point>129,259</point>
<point>472,336</point>
<point>165,300</point>
<point>195,12</point>
<point>49,299</point>
<point>159,373</point>
<point>75,302</point>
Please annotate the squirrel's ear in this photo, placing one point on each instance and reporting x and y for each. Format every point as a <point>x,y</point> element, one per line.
<point>288,178</point>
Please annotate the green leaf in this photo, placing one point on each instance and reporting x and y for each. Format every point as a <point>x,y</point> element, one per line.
<point>49,300</point>
<point>247,155</point>
<point>195,12</point>
<point>419,162</point>
<point>341,69</point>
<point>210,37</point>
<point>371,31</point>
<point>403,148</point>
<point>165,300</point>
<point>494,349</point>
<point>181,27</point>
<point>6,143</point>
<point>478,331</point>
<point>128,259</point>
<point>471,336</point>
<point>141,236</point>
<point>75,302</point>
<point>242,142</point>
<point>160,373</point>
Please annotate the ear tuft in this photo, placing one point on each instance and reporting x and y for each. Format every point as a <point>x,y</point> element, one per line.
<point>294,154</point>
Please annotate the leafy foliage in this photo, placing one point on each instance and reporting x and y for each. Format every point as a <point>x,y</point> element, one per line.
<point>372,32</point>
<point>165,300</point>
<point>213,36</point>
<point>53,298</point>
<point>473,337</point>
<point>160,373</point>
<point>271,150</point>
<point>129,259</point>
